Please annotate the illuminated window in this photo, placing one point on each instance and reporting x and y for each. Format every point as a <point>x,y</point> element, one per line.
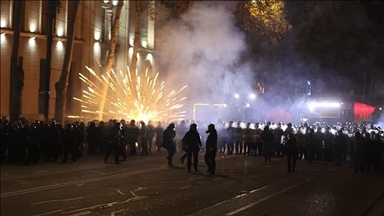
<point>107,20</point>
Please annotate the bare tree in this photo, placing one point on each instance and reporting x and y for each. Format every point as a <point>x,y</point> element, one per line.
<point>17,74</point>
<point>62,85</point>
<point>136,40</point>
<point>111,55</point>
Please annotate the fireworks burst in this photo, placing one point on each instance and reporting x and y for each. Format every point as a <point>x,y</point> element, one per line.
<point>136,96</point>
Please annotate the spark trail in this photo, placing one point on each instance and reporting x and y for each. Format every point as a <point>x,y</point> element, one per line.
<point>130,96</point>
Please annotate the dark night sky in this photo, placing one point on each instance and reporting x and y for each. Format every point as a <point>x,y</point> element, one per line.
<point>338,45</point>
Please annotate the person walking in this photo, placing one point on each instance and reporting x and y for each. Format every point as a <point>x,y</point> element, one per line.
<point>168,135</point>
<point>193,142</point>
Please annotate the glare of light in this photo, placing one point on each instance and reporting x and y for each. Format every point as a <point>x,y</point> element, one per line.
<point>144,44</point>
<point>149,57</point>
<point>314,105</point>
<point>114,2</point>
<point>252,96</point>
<point>3,23</point>
<point>32,41</point>
<point>96,48</point>
<point>247,105</point>
<point>131,41</point>
<point>105,1</point>
<point>380,108</point>
<point>60,31</point>
<point>237,96</point>
<point>97,35</point>
<point>73,116</point>
<point>32,27</point>
<point>59,46</point>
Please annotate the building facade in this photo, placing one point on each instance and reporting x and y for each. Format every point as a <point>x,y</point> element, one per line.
<point>92,36</point>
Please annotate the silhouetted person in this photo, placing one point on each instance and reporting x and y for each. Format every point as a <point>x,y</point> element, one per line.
<point>159,136</point>
<point>70,143</point>
<point>114,142</point>
<point>268,138</point>
<point>150,134</point>
<point>143,138</point>
<point>358,152</point>
<point>92,131</point>
<point>211,149</point>
<point>132,135</point>
<point>193,142</point>
<point>168,136</point>
<point>291,151</point>
<point>312,144</point>
<point>339,143</point>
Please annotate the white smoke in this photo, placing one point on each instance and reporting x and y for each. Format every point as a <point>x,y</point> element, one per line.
<point>204,50</point>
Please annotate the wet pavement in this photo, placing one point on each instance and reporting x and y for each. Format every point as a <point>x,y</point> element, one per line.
<point>145,185</point>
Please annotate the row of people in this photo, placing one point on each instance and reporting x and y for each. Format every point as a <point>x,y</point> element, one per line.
<point>25,143</point>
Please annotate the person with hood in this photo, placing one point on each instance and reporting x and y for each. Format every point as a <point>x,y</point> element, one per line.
<point>167,143</point>
<point>193,142</point>
<point>211,149</point>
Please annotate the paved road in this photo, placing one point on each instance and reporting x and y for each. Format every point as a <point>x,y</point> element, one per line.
<point>243,185</point>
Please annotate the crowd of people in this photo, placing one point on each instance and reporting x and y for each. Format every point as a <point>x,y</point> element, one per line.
<point>23,143</point>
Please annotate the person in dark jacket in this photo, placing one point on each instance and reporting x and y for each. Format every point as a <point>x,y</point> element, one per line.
<point>338,143</point>
<point>114,142</point>
<point>132,136</point>
<point>313,142</point>
<point>291,151</point>
<point>168,136</point>
<point>268,137</point>
<point>211,149</point>
<point>359,152</point>
<point>159,133</point>
<point>70,143</point>
<point>193,142</point>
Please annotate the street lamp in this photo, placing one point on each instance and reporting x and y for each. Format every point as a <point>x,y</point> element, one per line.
<point>237,96</point>
<point>252,96</point>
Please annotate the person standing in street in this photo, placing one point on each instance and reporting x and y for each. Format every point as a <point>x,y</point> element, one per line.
<point>159,133</point>
<point>114,141</point>
<point>132,136</point>
<point>211,149</point>
<point>268,137</point>
<point>168,135</point>
<point>291,151</point>
<point>193,142</point>
<point>338,144</point>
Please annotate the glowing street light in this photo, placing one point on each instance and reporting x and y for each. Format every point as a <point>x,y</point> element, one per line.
<point>237,96</point>
<point>252,96</point>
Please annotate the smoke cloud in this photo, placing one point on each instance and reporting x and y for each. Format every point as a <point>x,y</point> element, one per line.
<point>203,51</point>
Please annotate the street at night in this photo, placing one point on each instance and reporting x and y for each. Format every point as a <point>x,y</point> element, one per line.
<point>86,81</point>
<point>145,185</point>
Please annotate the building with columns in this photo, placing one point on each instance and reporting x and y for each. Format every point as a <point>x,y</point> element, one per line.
<point>92,34</point>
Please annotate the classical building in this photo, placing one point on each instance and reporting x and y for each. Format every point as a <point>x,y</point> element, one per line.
<point>93,31</point>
